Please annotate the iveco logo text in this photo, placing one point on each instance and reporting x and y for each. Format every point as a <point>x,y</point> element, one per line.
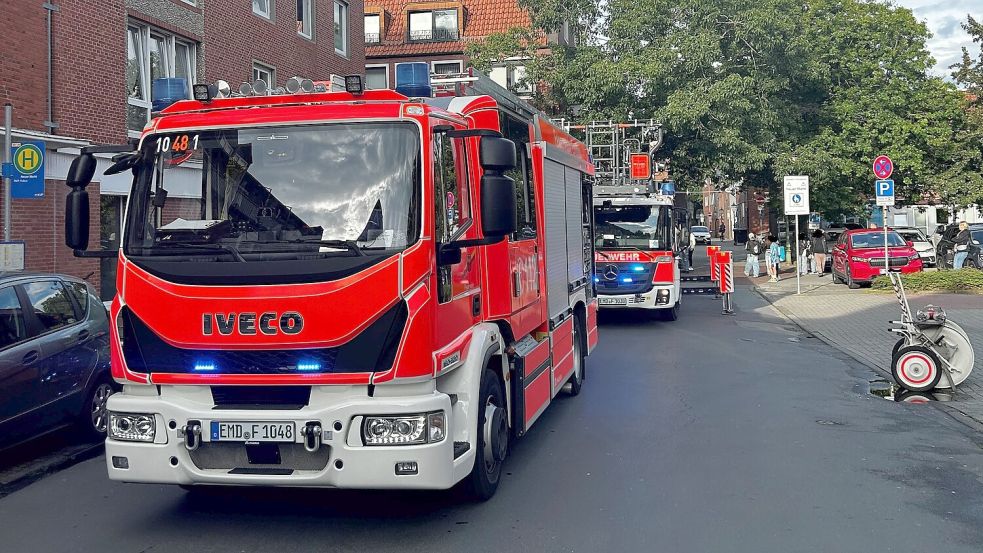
<point>269,323</point>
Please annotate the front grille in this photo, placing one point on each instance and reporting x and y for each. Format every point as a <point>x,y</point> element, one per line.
<point>261,396</point>
<point>895,261</point>
<point>229,456</point>
<point>610,277</point>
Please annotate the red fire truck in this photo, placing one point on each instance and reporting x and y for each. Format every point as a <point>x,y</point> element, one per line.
<point>638,233</point>
<point>352,289</point>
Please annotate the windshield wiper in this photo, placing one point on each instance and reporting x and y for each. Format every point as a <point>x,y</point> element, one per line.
<point>212,247</point>
<point>349,245</point>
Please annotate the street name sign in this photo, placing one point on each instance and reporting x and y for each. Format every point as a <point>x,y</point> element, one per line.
<point>797,195</point>
<point>884,190</point>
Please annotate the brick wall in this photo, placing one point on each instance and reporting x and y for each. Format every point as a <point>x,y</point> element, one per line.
<point>89,69</point>
<point>185,208</point>
<point>40,223</point>
<point>22,63</point>
<point>238,37</point>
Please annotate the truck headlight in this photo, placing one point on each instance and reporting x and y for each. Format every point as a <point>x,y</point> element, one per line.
<point>404,429</point>
<point>132,427</point>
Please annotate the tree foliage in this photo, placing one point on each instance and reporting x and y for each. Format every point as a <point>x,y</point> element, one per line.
<point>756,90</point>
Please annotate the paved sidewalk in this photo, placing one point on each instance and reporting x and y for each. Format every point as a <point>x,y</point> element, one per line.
<point>856,322</point>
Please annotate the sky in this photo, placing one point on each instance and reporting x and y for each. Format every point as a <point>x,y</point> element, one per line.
<point>943,18</point>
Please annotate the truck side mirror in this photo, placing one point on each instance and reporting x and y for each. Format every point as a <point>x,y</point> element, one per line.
<point>497,155</point>
<point>77,206</point>
<point>81,170</point>
<point>77,219</point>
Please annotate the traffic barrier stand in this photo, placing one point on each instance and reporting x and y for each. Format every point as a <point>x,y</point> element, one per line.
<point>931,346</point>
<point>725,264</point>
<point>712,256</point>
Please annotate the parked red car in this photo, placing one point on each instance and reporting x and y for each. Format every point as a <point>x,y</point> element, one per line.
<point>858,256</point>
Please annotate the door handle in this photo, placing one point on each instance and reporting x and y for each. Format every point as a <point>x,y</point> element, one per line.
<point>30,357</point>
<point>83,335</point>
<point>516,284</point>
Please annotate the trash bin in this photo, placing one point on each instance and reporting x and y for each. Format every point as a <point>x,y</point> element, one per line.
<point>740,236</point>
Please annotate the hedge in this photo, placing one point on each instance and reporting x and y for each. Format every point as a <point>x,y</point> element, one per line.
<point>965,281</point>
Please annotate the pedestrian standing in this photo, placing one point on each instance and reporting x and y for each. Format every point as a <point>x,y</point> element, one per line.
<point>720,230</point>
<point>819,251</point>
<point>773,257</point>
<point>804,254</point>
<point>753,248</point>
<point>692,248</point>
<point>961,242</point>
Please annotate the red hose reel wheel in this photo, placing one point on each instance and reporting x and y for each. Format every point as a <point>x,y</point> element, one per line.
<point>916,368</point>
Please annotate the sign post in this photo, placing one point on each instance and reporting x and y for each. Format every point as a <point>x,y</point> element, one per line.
<point>797,203</point>
<point>884,191</point>
<point>8,113</point>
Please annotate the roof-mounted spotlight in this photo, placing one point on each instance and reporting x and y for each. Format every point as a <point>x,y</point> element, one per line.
<point>260,87</point>
<point>202,92</point>
<point>246,89</point>
<point>307,85</point>
<point>353,84</point>
<point>293,85</point>
<point>221,89</point>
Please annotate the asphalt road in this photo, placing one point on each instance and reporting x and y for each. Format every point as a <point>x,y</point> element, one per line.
<point>709,434</point>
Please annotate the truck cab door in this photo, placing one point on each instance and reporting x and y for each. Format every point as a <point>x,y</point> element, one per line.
<point>458,289</point>
<point>524,242</point>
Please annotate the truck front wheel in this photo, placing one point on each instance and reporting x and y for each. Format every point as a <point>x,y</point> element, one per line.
<point>492,438</point>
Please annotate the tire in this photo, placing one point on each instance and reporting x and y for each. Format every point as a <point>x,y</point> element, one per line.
<point>972,263</point>
<point>488,460</point>
<point>836,279</point>
<point>916,369</point>
<point>894,351</point>
<point>576,379</point>
<point>849,280</point>
<point>670,314</point>
<point>93,418</point>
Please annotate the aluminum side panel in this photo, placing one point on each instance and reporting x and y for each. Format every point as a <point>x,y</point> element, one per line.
<point>554,208</point>
<point>575,230</point>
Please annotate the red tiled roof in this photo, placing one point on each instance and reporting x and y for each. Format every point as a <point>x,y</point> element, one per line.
<point>478,19</point>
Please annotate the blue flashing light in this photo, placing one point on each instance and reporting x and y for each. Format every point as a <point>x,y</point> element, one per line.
<point>638,268</point>
<point>413,79</point>
<point>626,279</point>
<point>308,367</point>
<point>597,279</point>
<point>204,366</point>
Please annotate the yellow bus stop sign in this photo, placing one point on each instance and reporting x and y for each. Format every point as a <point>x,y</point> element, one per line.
<point>27,180</point>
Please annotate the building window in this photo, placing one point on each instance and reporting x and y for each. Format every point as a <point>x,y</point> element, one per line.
<point>446,67</point>
<point>265,73</point>
<point>513,78</point>
<point>341,28</point>
<point>305,18</point>
<point>160,69</point>
<point>263,8</point>
<point>435,25</point>
<point>373,29</point>
<point>376,77</point>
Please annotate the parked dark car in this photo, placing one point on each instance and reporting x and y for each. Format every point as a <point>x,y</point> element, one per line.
<point>54,357</point>
<point>945,250</point>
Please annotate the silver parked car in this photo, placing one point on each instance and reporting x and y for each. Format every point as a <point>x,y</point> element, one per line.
<point>701,234</point>
<point>920,242</point>
<point>54,357</point>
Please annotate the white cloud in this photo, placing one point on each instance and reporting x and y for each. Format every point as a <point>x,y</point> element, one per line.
<point>943,18</point>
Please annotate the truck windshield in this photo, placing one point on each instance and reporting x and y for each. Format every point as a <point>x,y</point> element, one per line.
<point>631,227</point>
<point>304,193</point>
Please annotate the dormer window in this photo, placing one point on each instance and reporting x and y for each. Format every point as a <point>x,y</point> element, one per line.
<point>433,26</point>
<point>373,28</point>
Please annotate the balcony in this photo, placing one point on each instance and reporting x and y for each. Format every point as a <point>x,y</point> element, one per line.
<point>433,35</point>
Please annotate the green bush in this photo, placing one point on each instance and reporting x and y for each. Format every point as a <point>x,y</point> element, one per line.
<point>966,281</point>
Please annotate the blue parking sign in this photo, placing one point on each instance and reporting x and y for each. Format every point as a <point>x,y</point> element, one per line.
<point>884,191</point>
<point>27,180</point>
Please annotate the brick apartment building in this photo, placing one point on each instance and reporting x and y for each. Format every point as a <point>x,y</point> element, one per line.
<point>400,31</point>
<point>105,57</point>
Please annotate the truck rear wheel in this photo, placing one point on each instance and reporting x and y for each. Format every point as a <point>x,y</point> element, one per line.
<point>576,380</point>
<point>492,438</point>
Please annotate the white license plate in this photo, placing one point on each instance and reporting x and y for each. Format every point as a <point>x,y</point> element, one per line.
<point>612,301</point>
<point>248,431</point>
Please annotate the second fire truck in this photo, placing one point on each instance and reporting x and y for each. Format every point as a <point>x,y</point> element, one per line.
<point>359,289</point>
<point>637,232</point>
